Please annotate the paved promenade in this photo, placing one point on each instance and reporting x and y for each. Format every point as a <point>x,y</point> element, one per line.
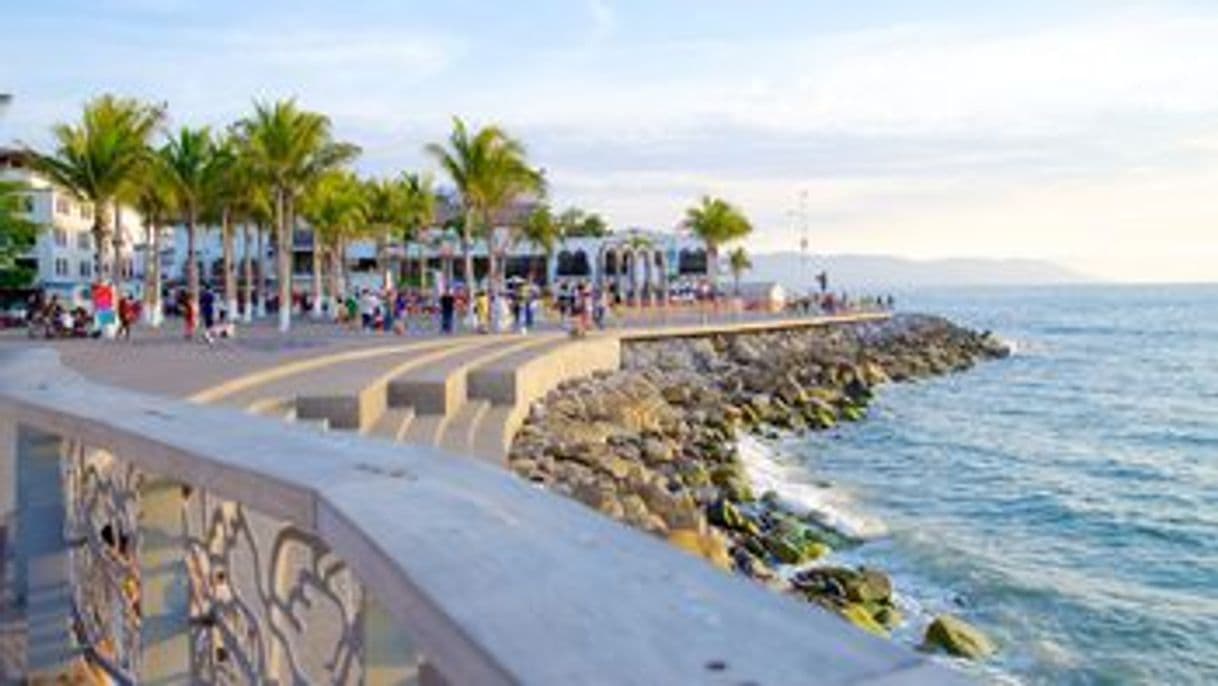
<point>467,393</point>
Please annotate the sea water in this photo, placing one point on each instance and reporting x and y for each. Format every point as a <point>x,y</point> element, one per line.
<point>1065,500</point>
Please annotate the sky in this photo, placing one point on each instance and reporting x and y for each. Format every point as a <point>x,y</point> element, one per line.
<point>1082,132</point>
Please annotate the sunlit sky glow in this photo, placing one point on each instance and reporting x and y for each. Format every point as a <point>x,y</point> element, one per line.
<point>1084,132</point>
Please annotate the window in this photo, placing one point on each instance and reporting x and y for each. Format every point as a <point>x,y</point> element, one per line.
<point>61,266</point>
<point>86,269</point>
<point>62,205</point>
<point>61,238</point>
<point>84,241</point>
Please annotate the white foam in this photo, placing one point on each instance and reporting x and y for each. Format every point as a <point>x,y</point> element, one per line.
<point>770,470</point>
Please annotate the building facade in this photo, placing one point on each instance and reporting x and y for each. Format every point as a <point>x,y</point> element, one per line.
<point>63,256</point>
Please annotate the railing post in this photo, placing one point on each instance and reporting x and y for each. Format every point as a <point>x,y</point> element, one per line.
<point>43,576</point>
<point>390,658</point>
<point>165,585</point>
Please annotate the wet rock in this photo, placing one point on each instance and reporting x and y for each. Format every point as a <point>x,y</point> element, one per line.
<point>957,637</point>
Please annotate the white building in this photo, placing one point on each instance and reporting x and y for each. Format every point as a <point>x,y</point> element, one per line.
<point>633,262</point>
<point>63,255</point>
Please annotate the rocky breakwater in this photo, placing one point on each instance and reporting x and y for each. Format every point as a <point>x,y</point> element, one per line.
<point>654,445</point>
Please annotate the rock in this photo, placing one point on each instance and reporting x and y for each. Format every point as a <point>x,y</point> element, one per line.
<point>677,395</point>
<point>724,514</point>
<point>957,637</point>
<point>889,616</point>
<point>657,450</point>
<point>735,488</point>
<point>853,413</point>
<point>870,586</point>
<point>704,545</point>
<point>860,617</point>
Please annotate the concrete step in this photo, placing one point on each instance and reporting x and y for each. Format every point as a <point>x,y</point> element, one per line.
<point>425,429</point>
<point>529,374</point>
<point>318,425</point>
<point>493,434</point>
<point>393,424</point>
<point>356,399</point>
<point>441,388</point>
<point>275,407</point>
<point>457,435</point>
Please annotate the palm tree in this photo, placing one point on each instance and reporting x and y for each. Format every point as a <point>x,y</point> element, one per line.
<point>543,230</point>
<point>577,223</point>
<point>489,170</point>
<point>384,215</point>
<point>288,148</point>
<point>189,160</point>
<point>227,184</point>
<point>256,210</point>
<point>336,206</point>
<point>739,262</point>
<point>418,211</point>
<point>717,223</point>
<point>97,158</point>
<point>153,199</point>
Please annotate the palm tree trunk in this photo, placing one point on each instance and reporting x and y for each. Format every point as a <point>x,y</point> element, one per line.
<point>247,272</point>
<point>317,289</point>
<point>336,283</point>
<point>116,239</point>
<point>192,263</point>
<point>152,276</point>
<point>262,287</point>
<point>230,267</point>
<point>467,253</point>
<point>283,260</point>
<point>342,263</point>
<point>382,249</point>
<point>101,243</point>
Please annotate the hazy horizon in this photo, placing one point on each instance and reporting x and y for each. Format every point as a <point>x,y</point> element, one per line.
<point>1083,135</point>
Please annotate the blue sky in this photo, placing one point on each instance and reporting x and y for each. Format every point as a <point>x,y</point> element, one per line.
<point>1082,132</point>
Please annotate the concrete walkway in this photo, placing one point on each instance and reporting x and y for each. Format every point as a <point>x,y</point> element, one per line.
<point>467,393</point>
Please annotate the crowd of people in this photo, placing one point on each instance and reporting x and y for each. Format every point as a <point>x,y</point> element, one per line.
<point>577,306</point>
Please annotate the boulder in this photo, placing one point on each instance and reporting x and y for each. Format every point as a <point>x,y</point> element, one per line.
<point>703,544</point>
<point>957,637</point>
<point>859,616</point>
<point>657,450</point>
<point>724,514</point>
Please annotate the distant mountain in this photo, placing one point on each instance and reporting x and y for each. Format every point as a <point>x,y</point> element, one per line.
<point>883,272</point>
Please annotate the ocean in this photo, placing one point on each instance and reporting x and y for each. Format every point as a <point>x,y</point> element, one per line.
<point>1064,500</point>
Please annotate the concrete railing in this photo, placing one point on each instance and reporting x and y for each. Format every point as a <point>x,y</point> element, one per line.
<point>164,542</point>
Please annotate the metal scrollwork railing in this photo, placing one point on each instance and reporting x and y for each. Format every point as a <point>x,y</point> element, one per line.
<point>102,525</point>
<point>270,601</point>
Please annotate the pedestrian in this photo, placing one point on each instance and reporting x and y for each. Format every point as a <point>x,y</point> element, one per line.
<point>482,311</point>
<point>367,307</point>
<point>128,312</point>
<point>189,317</point>
<point>530,308</point>
<point>448,306</point>
<point>207,307</point>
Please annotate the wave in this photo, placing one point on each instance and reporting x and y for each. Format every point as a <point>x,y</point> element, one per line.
<point>770,470</point>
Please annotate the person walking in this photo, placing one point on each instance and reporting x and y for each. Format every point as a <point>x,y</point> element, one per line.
<point>530,307</point>
<point>207,307</point>
<point>448,308</point>
<point>482,311</point>
<point>367,309</point>
<point>128,312</point>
